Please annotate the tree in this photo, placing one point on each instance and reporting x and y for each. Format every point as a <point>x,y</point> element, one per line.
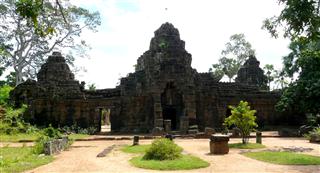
<point>92,87</point>
<point>269,72</point>
<point>216,72</point>
<point>26,50</point>
<point>301,21</point>
<point>243,118</point>
<point>234,55</point>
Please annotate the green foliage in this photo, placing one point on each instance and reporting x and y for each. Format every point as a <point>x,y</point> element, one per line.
<point>243,118</point>
<point>92,87</point>
<point>315,132</point>
<point>135,148</point>
<point>26,24</point>
<point>246,146</point>
<point>185,162</point>
<point>270,73</point>
<point>284,158</point>
<point>51,132</point>
<point>4,94</point>
<point>300,17</point>
<point>163,149</point>
<point>235,54</point>
<point>301,21</point>
<point>20,159</point>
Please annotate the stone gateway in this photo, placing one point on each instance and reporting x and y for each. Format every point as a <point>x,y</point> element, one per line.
<point>163,88</point>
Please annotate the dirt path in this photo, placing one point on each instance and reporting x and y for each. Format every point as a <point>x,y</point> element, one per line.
<point>82,158</point>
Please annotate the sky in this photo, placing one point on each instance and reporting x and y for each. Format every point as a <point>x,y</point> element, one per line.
<point>205,25</point>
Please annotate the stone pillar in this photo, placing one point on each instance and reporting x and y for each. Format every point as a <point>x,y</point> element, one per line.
<point>136,140</point>
<point>219,144</point>
<point>184,124</point>
<point>258,137</point>
<point>48,150</point>
<point>167,126</point>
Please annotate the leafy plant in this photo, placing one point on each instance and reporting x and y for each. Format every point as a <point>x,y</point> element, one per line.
<point>243,118</point>
<point>163,149</point>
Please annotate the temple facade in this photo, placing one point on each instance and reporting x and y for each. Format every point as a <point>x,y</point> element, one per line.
<point>163,87</point>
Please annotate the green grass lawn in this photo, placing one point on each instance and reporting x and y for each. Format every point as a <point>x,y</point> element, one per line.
<point>184,163</point>
<point>32,137</point>
<point>14,159</point>
<point>18,137</point>
<point>135,148</point>
<point>246,146</point>
<point>76,136</point>
<point>284,158</point>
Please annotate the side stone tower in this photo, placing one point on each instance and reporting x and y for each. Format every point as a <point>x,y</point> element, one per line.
<point>251,73</point>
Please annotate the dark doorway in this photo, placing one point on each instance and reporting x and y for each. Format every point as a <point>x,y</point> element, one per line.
<point>170,113</point>
<point>104,116</point>
<point>172,105</point>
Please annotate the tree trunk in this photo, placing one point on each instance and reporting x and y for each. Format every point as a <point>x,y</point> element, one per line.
<point>19,78</point>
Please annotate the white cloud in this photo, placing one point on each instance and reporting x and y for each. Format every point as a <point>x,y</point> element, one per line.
<point>205,26</point>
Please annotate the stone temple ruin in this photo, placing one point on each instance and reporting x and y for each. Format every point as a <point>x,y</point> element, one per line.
<point>163,87</point>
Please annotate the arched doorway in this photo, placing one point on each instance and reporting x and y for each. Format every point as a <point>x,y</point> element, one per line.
<point>172,105</point>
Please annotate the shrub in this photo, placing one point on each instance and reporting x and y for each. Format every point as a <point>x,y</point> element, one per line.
<point>243,118</point>
<point>38,148</point>
<point>163,149</point>
<point>51,132</point>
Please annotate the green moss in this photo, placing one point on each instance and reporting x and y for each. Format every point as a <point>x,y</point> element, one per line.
<point>14,159</point>
<point>135,148</point>
<point>284,158</point>
<point>246,146</point>
<point>183,163</point>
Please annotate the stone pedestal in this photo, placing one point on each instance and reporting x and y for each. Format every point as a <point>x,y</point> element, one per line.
<point>167,126</point>
<point>259,137</point>
<point>219,144</point>
<point>135,140</point>
<point>157,131</point>
<point>184,124</point>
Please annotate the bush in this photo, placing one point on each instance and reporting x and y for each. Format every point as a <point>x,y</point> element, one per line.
<point>51,132</point>
<point>38,148</point>
<point>163,149</point>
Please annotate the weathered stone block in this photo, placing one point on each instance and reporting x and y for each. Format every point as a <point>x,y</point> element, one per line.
<point>167,126</point>
<point>219,144</point>
<point>157,131</point>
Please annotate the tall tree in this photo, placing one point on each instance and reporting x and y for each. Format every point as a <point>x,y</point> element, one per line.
<point>237,51</point>
<point>28,49</point>
<point>269,72</point>
<point>301,21</point>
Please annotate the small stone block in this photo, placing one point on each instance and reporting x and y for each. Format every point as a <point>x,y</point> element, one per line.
<point>136,140</point>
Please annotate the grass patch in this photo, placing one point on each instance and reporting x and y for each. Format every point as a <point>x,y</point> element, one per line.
<point>246,146</point>
<point>135,148</point>
<point>14,159</point>
<point>75,136</point>
<point>33,137</point>
<point>18,137</point>
<point>284,158</point>
<point>186,162</point>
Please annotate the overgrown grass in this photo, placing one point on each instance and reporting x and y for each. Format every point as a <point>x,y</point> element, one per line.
<point>284,158</point>
<point>246,146</point>
<point>185,162</point>
<point>135,148</point>
<point>75,136</point>
<point>19,137</point>
<point>14,159</point>
<point>33,137</point>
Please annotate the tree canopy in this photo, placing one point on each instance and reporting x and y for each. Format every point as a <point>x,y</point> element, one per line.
<point>300,22</point>
<point>25,49</point>
<point>236,52</point>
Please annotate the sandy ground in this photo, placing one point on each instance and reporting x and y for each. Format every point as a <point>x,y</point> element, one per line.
<point>81,157</point>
